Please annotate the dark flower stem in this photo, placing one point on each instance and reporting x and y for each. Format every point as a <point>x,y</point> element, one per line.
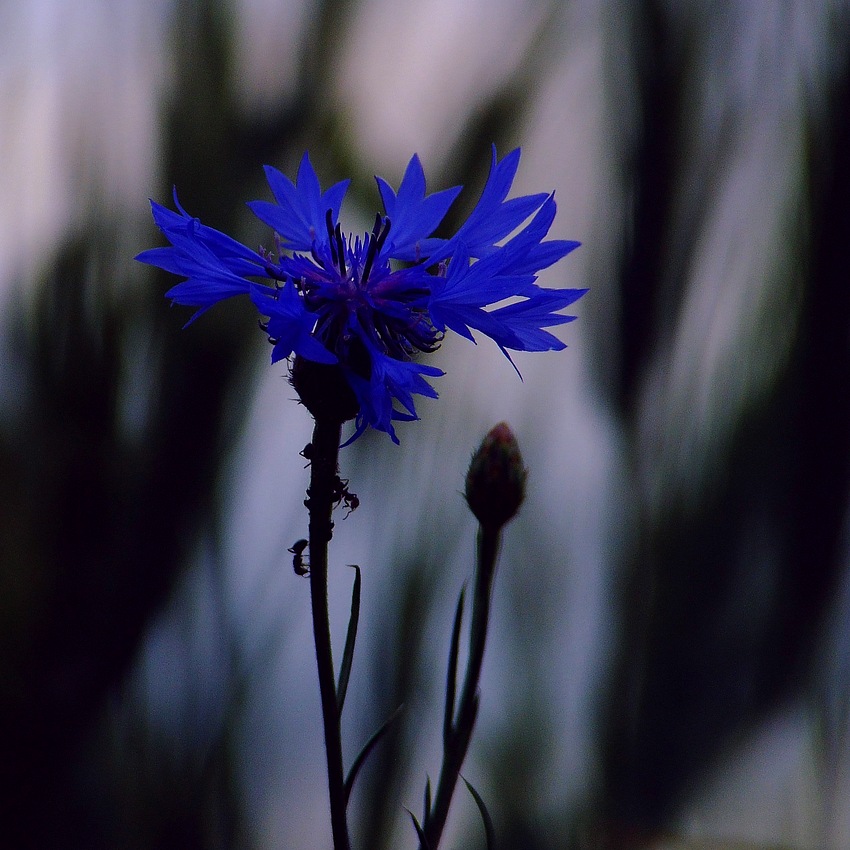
<point>459,734</point>
<point>320,503</point>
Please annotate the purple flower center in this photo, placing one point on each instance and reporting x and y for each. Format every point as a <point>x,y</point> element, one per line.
<point>360,301</point>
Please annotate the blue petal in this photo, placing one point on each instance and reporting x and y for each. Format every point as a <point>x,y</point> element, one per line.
<point>186,231</point>
<point>163,258</point>
<point>215,265</point>
<point>479,284</point>
<point>526,319</point>
<point>404,378</point>
<point>457,301</point>
<point>462,318</point>
<point>493,218</point>
<point>299,217</point>
<point>507,271</point>
<point>375,407</point>
<point>390,380</point>
<point>526,253</point>
<point>290,324</point>
<point>413,216</point>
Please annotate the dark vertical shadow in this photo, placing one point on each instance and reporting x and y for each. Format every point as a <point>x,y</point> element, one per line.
<point>395,670</point>
<point>97,526</point>
<point>649,170</point>
<point>721,605</point>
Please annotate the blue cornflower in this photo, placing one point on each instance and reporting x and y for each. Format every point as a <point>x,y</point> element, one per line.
<point>369,304</point>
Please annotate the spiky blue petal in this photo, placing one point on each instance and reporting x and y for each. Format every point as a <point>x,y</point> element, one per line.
<point>300,213</point>
<point>414,217</point>
<point>214,265</point>
<point>527,253</point>
<point>526,319</point>
<point>493,217</point>
<point>391,379</point>
<point>290,324</point>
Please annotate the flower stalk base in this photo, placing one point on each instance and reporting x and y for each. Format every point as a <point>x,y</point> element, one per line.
<point>320,502</point>
<point>459,731</point>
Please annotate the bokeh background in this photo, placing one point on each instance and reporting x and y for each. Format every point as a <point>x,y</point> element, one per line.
<point>670,654</point>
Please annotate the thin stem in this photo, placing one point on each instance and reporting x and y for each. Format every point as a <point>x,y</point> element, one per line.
<point>458,737</point>
<point>320,502</point>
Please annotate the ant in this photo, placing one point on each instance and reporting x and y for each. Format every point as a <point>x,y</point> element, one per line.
<point>301,568</point>
<point>351,502</point>
<point>341,494</point>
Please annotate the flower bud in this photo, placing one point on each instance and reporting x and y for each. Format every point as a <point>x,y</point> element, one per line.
<point>495,483</point>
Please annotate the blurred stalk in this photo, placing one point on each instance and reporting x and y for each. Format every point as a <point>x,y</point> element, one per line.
<point>459,731</point>
<point>495,489</point>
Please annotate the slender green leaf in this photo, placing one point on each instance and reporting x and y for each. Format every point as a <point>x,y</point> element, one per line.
<point>485,816</point>
<point>350,638</point>
<point>419,831</point>
<point>367,748</point>
<point>451,678</point>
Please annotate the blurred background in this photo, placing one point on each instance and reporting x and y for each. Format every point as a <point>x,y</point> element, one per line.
<point>669,663</point>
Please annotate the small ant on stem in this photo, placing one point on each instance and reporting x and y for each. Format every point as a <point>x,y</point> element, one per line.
<point>341,495</point>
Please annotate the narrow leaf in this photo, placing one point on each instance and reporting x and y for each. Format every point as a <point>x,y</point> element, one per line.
<point>451,678</point>
<point>427,813</point>
<point>367,748</point>
<point>350,638</point>
<point>419,831</point>
<point>485,816</point>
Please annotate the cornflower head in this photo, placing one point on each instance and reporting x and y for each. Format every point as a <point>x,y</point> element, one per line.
<point>368,305</point>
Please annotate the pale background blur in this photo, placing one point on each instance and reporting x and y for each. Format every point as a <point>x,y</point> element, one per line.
<point>670,655</point>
